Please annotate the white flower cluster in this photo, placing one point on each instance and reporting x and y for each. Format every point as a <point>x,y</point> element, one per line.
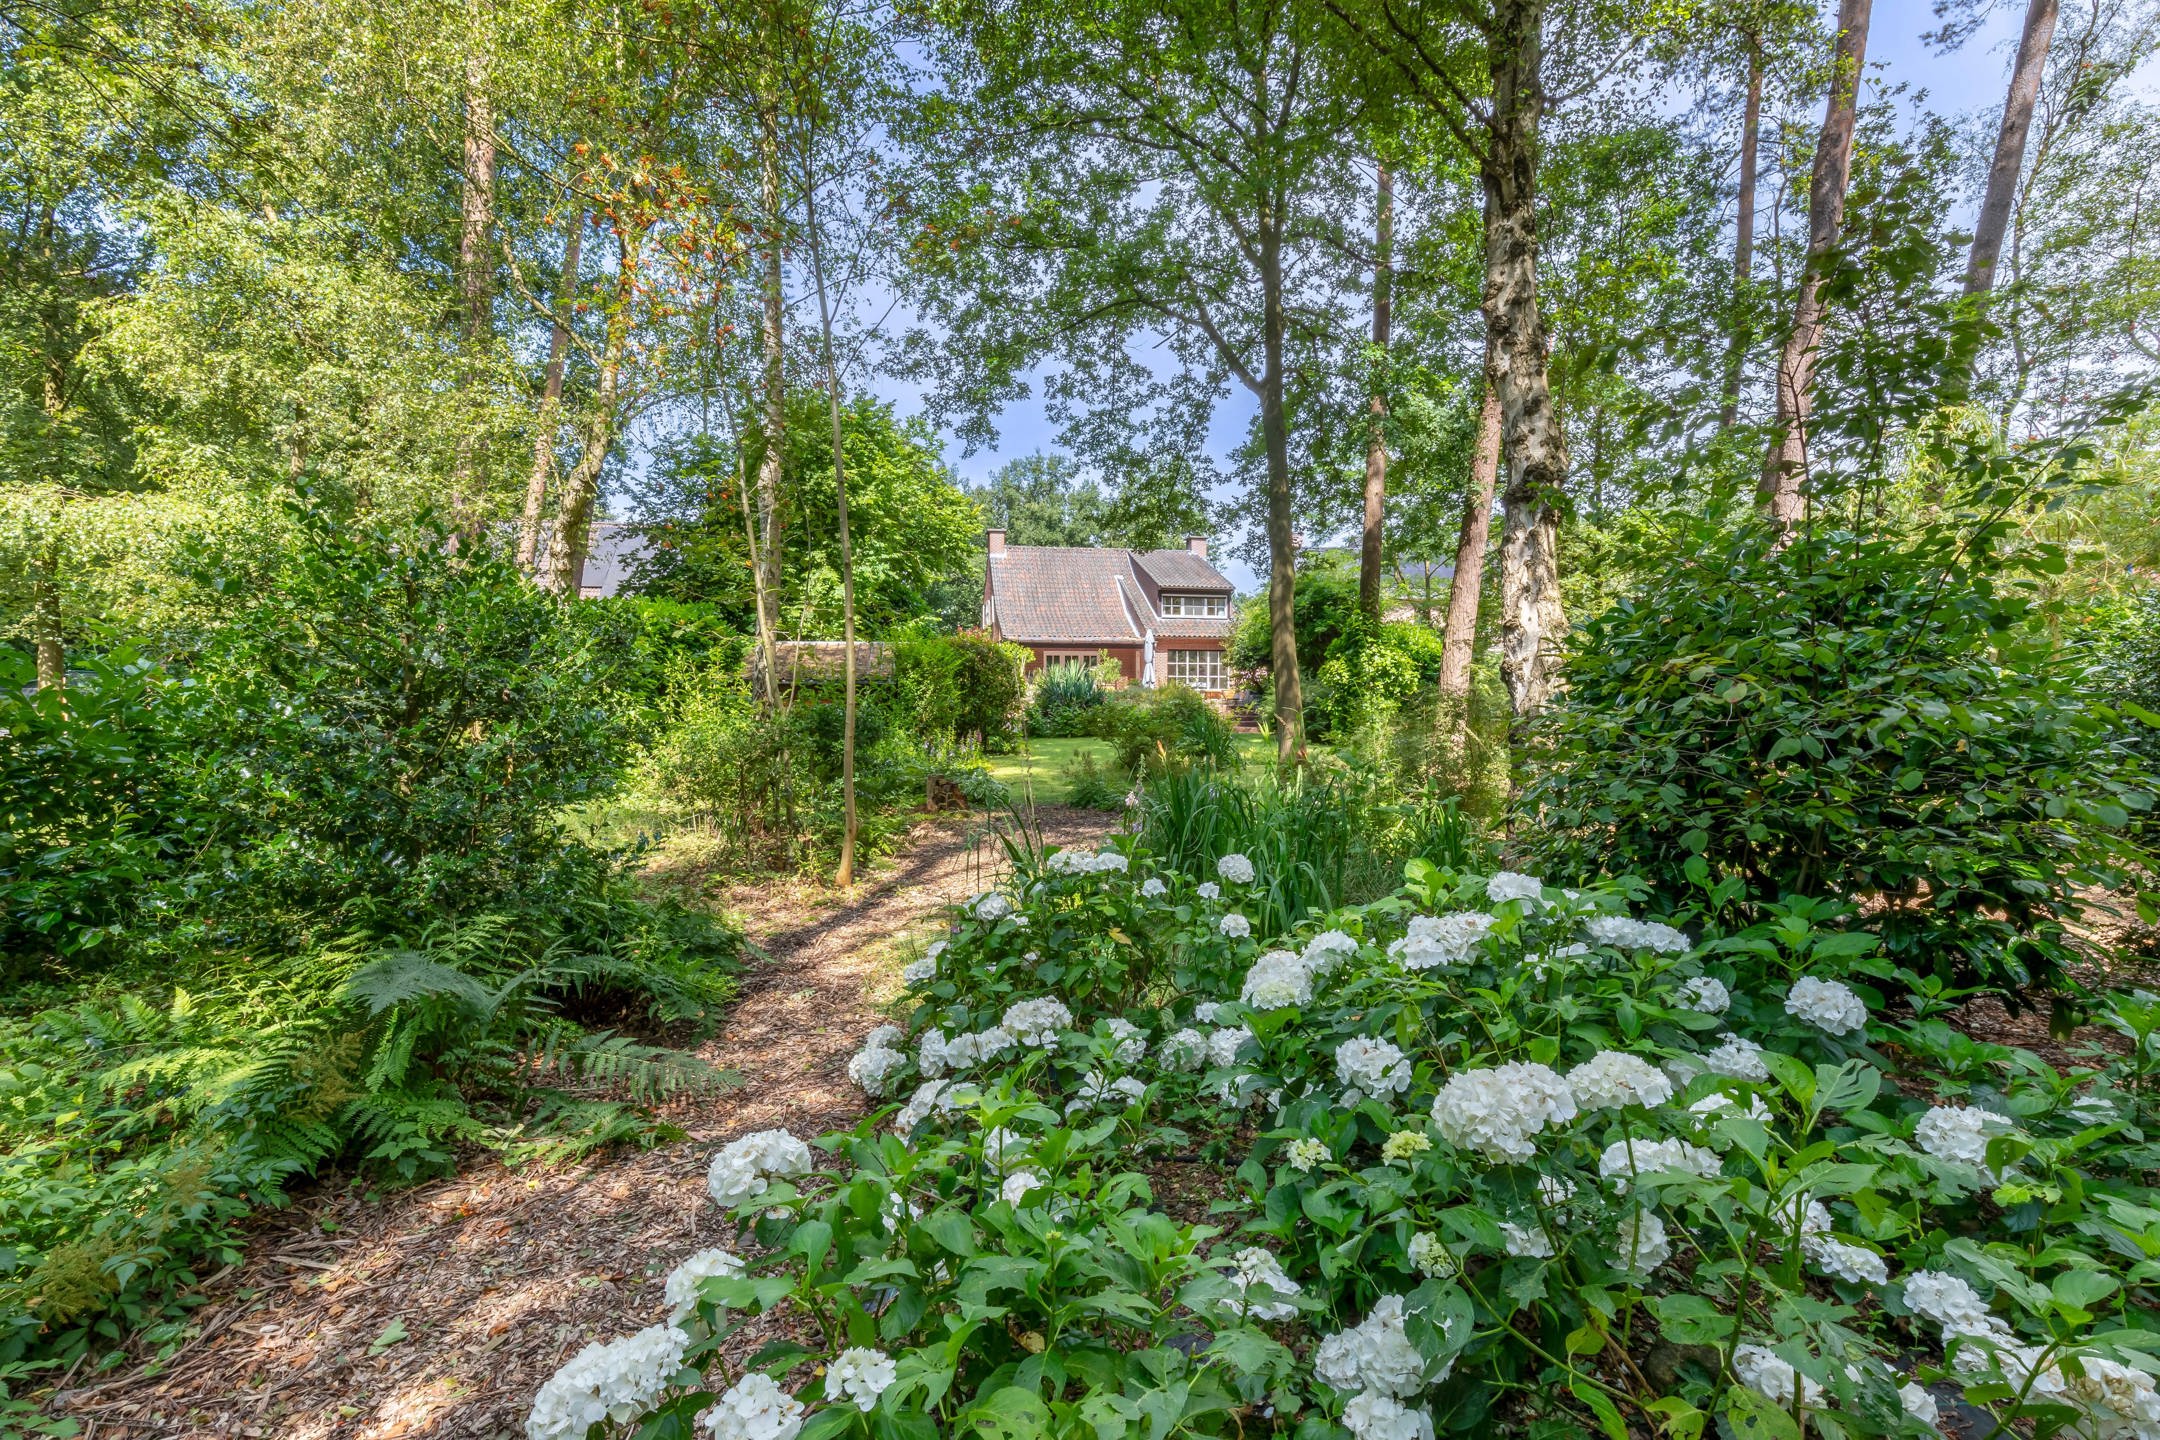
<point>1097,1088</point>
<point>1429,1254</point>
<point>1223,1045</point>
<point>1304,1153</point>
<point>1405,1145</point>
<point>1528,1241</point>
<point>1375,1354</point>
<point>1277,979</point>
<point>1086,862</point>
<point>1153,886</point>
<point>1130,1039</point>
<point>1371,1066</point>
<point>1184,1049</point>
<point>1774,1378</point>
<point>1495,1112</point>
<point>874,1066</point>
<point>681,1292</point>
<point>1643,1243</point>
<point>992,908</point>
<point>1236,869</point>
<point>1327,951</point>
<point>1626,1158</point>
<point>1958,1132</point>
<point>1258,1267</point>
<point>1622,933</point>
<point>617,1381</point>
<point>1371,1415</point>
<point>937,1054</point>
<point>860,1374</point>
<point>1208,890</point>
<point>1705,994</point>
<point>1830,1007</point>
<point>1614,1079</point>
<point>1234,926</point>
<point>744,1168</point>
<point>1737,1058</point>
<point>931,1095</point>
<point>754,1408</point>
<point>1441,942</point>
<point>1507,885</point>
<point>1036,1022</point>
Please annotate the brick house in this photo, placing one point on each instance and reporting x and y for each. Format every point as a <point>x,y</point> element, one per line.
<point>1162,615</point>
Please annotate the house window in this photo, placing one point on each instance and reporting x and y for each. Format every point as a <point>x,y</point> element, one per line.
<point>1201,669</point>
<point>1070,657</point>
<point>1195,605</point>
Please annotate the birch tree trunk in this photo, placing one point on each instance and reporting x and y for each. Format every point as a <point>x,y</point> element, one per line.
<point>1531,618</point>
<point>45,626</point>
<point>2009,162</point>
<point>767,559</point>
<point>581,488</point>
<point>846,876</point>
<point>1784,475</point>
<point>1744,232</point>
<point>476,271</point>
<point>543,462</point>
<point>1282,540</point>
<point>1376,426</point>
<point>1467,588</point>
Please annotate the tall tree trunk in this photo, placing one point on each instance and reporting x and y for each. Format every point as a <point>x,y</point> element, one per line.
<point>1744,234</point>
<point>581,487</point>
<point>1282,542</point>
<point>476,270</point>
<point>1537,463</point>
<point>1466,589</point>
<point>774,427</point>
<point>2009,161</point>
<point>543,463</point>
<point>1377,407</point>
<point>846,876</point>
<point>1784,474</point>
<point>45,627</point>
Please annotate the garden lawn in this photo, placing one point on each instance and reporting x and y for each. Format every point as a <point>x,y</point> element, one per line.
<point>1039,768</point>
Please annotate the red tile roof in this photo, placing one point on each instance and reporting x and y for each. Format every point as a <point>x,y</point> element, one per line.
<point>1056,595</point>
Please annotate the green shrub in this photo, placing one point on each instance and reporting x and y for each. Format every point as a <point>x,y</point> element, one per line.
<point>1091,787</point>
<point>1167,730</point>
<point>1068,698</point>
<point>1871,718</point>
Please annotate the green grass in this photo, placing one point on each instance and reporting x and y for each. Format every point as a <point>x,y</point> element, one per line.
<point>1040,765</point>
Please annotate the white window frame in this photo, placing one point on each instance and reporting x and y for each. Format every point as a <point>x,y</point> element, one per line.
<point>1210,668</point>
<point>1213,607</point>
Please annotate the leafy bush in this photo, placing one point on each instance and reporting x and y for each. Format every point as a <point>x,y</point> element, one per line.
<point>1487,1157</point>
<point>1872,718</point>
<point>1166,730</point>
<point>1091,787</point>
<point>1370,674</point>
<point>1068,698</point>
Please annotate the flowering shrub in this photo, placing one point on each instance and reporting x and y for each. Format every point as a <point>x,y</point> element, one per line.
<point>1490,1156</point>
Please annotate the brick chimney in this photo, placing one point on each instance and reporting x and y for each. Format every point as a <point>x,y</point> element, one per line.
<point>996,539</point>
<point>1197,544</point>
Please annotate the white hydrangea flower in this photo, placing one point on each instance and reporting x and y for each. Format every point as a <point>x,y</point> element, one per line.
<point>1507,885</point>
<point>1719,1103</point>
<point>1085,862</point>
<point>1000,1145</point>
<point>919,1106</point>
<point>1372,1066</point>
<point>930,1055</point>
<point>1153,886</point>
<point>1375,1354</point>
<point>681,1292</point>
<point>1327,951</point>
<point>1614,1079</point>
<point>1773,1378</point>
<point>2121,1400</point>
<point>1097,1088</point>
<point>754,1408</point>
<point>1130,1038</point>
<point>1643,1245</point>
<point>1236,869</point>
<point>919,972</point>
<point>1018,1184</point>
<point>1429,1254</point>
<point>884,1037</point>
<point>1705,994</point>
<point>1441,941</point>
<point>874,1066</point>
<point>1540,964</point>
<point>1209,890</point>
<point>1854,1263</point>
<point>1554,1190</point>
<point>1370,1415</point>
<point>965,1051</point>
<point>1305,1153</point>
<point>1737,1058</point>
<point>1919,1404</point>
<point>1622,933</point>
<point>1206,1010</point>
<point>1529,1241</point>
<point>1255,1266</point>
<point>1277,979</point>
<point>1951,1303</point>
<point>1223,1044</point>
<point>1037,1022</point>
<point>743,1168</point>
<point>1624,1159</point>
<point>1183,1049</point>
<point>1958,1132</point>
<point>1830,1007</point>
<point>617,1381</point>
<point>1495,1112</point>
<point>992,908</point>
<point>1234,925</point>
<point>1405,1145</point>
<point>860,1374</point>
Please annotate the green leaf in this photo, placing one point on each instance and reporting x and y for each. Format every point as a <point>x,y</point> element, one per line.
<point>1794,1075</point>
<point>392,1334</point>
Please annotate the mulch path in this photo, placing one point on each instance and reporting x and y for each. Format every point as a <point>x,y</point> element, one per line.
<point>439,1310</point>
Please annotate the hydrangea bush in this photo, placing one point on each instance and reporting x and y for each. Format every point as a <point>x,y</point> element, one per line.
<point>1487,1157</point>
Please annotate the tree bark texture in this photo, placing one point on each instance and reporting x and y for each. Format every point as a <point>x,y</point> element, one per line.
<point>476,270</point>
<point>2009,162</point>
<point>846,877</point>
<point>581,487</point>
<point>1377,406</point>
<point>773,338</point>
<point>1744,233</point>
<point>1467,588</point>
<point>45,624</point>
<point>1531,619</point>
<point>1784,475</point>
<point>543,462</point>
<point>1282,539</point>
